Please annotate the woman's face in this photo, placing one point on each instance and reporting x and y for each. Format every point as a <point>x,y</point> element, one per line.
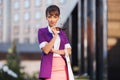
<point>52,20</point>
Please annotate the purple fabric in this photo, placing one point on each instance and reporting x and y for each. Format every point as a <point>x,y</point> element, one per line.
<point>46,60</point>
<point>46,65</point>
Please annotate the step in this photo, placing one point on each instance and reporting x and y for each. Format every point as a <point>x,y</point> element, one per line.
<point>113,0</point>
<point>114,9</point>
<point>114,33</point>
<point>114,25</point>
<point>113,5</point>
<point>114,29</point>
<point>113,16</point>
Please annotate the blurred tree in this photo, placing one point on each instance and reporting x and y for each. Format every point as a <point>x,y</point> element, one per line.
<point>12,69</point>
<point>13,62</point>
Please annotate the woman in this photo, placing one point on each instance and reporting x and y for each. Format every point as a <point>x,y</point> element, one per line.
<point>53,42</point>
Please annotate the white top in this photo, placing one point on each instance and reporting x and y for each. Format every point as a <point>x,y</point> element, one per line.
<point>56,44</point>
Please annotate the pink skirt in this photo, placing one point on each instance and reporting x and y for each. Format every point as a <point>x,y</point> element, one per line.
<point>59,69</point>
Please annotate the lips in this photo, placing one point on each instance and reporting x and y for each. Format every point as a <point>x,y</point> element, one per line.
<point>53,24</point>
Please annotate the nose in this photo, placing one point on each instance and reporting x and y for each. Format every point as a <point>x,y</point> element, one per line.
<point>52,20</point>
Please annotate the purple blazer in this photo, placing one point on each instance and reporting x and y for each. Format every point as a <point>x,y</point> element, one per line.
<point>46,59</point>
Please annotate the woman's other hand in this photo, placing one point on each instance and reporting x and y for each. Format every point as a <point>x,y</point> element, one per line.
<point>55,30</point>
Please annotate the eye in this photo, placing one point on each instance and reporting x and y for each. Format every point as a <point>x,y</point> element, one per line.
<point>49,16</point>
<point>55,16</point>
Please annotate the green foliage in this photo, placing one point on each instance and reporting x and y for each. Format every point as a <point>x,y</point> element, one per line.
<point>13,62</point>
<point>82,78</point>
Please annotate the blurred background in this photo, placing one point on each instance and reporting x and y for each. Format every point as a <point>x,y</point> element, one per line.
<point>92,26</point>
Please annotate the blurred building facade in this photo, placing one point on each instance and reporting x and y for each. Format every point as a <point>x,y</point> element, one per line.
<point>20,20</point>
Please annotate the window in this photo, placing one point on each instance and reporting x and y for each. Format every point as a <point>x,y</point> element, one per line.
<point>26,16</point>
<point>16,17</point>
<point>16,39</point>
<point>26,40</point>
<point>1,24</point>
<point>36,39</point>
<point>62,1</point>
<point>1,35</point>
<point>37,15</point>
<point>1,2</point>
<point>27,3</point>
<point>26,30</point>
<point>16,5</point>
<point>49,2</point>
<point>1,12</point>
<point>16,30</point>
<point>38,25</point>
<point>37,2</point>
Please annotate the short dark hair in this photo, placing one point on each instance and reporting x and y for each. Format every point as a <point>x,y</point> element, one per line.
<point>53,10</point>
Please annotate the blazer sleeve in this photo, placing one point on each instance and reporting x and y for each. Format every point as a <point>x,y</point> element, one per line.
<point>41,38</point>
<point>67,43</point>
<point>65,37</point>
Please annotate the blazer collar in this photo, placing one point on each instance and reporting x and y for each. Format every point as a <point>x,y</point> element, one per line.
<point>49,29</point>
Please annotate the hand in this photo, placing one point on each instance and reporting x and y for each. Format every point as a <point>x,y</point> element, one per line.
<point>52,50</point>
<point>54,30</point>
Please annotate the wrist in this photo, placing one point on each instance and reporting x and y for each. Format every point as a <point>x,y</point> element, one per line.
<point>54,51</point>
<point>55,35</point>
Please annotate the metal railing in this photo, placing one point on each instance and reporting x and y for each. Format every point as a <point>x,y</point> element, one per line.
<point>90,26</point>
